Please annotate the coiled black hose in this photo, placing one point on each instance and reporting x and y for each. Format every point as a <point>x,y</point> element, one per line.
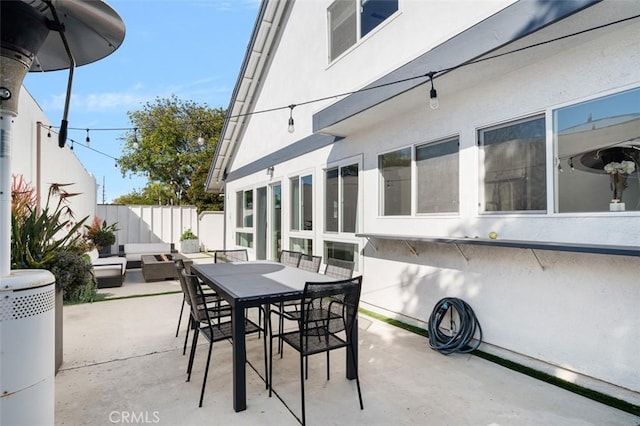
<point>458,340</point>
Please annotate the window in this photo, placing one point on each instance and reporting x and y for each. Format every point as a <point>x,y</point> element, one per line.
<point>437,169</point>
<point>302,203</point>
<point>248,209</point>
<point>374,12</point>
<point>244,218</point>
<point>244,239</point>
<point>350,20</point>
<point>395,182</point>
<point>513,158</point>
<point>304,245</point>
<point>342,251</point>
<point>341,199</point>
<point>589,136</point>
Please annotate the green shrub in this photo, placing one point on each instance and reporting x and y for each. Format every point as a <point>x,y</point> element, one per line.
<point>188,235</point>
<point>74,274</point>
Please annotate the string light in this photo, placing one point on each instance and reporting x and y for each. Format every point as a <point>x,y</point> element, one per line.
<point>433,95</point>
<point>71,147</point>
<point>49,132</point>
<point>88,139</point>
<point>291,127</point>
<point>433,99</point>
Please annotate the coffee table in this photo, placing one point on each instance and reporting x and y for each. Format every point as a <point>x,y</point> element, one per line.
<point>158,267</point>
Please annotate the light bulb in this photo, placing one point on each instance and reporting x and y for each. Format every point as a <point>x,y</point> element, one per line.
<point>433,99</point>
<point>291,127</point>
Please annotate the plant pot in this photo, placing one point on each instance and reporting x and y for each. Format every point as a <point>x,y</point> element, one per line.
<point>190,246</point>
<point>58,329</point>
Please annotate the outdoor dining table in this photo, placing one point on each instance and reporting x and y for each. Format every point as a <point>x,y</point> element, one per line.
<point>254,284</point>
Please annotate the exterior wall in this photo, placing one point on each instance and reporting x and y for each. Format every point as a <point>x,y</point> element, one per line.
<point>150,224</point>
<point>56,165</point>
<point>300,63</point>
<point>573,315</point>
<point>211,234</point>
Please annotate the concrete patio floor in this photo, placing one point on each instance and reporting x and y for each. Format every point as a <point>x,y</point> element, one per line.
<point>124,365</point>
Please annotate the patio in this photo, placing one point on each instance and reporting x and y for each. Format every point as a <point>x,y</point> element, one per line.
<point>123,364</point>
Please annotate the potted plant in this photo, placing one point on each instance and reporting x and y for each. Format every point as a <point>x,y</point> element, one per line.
<point>48,238</point>
<point>103,236</point>
<point>189,242</point>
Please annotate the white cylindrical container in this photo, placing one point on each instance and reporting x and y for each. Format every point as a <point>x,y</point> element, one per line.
<point>27,348</point>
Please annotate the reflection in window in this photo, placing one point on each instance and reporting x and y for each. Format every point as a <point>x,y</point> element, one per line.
<point>514,166</point>
<point>331,200</point>
<point>374,12</point>
<point>437,169</point>
<point>295,203</point>
<point>342,251</point>
<point>349,189</point>
<point>343,22</point>
<point>303,245</point>
<point>302,203</point>
<point>341,199</point>
<point>395,182</point>
<point>248,209</point>
<point>244,239</point>
<point>244,209</point>
<point>342,27</point>
<point>306,184</point>
<point>594,139</point>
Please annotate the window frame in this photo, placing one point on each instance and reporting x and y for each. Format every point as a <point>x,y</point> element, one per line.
<point>564,165</point>
<point>241,228</point>
<point>482,211</point>
<point>359,9</point>
<point>416,177</point>
<point>300,202</point>
<point>339,166</point>
<point>380,181</point>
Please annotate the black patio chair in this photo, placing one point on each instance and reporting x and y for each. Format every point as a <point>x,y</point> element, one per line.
<point>236,255</point>
<point>218,307</point>
<point>308,263</point>
<point>212,331</point>
<point>289,258</point>
<point>327,319</point>
<point>341,269</point>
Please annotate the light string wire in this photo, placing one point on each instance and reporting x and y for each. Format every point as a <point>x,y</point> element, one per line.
<point>378,86</point>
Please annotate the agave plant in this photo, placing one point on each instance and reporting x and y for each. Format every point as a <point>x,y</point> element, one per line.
<point>38,234</point>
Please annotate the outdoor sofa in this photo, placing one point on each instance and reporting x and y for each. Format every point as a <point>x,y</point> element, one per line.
<point>109,271</point>
<point>133,252</point>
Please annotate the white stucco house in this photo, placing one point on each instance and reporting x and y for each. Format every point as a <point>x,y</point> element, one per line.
<point>38,159</point>
<point>502,196</point>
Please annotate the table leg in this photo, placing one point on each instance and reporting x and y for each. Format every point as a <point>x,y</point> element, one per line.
<point>351,367</point>
<point>239,360</point>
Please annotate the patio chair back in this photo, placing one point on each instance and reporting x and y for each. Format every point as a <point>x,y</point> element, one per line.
<point>290,258</point>
<point>310,263</point>
<point>199,311</point>
<point>341,269</point>
<point>224,256</point>
<point>327,309</point>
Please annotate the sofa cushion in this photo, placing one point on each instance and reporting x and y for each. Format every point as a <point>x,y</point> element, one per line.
<point>134,251</point>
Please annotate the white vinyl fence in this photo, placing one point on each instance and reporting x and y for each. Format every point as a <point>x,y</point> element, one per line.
<point>155,224</point>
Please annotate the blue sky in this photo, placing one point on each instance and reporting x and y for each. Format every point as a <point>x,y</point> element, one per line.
<point>190,48</point>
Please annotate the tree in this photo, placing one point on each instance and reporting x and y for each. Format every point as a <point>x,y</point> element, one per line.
<point>153,194</point>
<point>171,140</point>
